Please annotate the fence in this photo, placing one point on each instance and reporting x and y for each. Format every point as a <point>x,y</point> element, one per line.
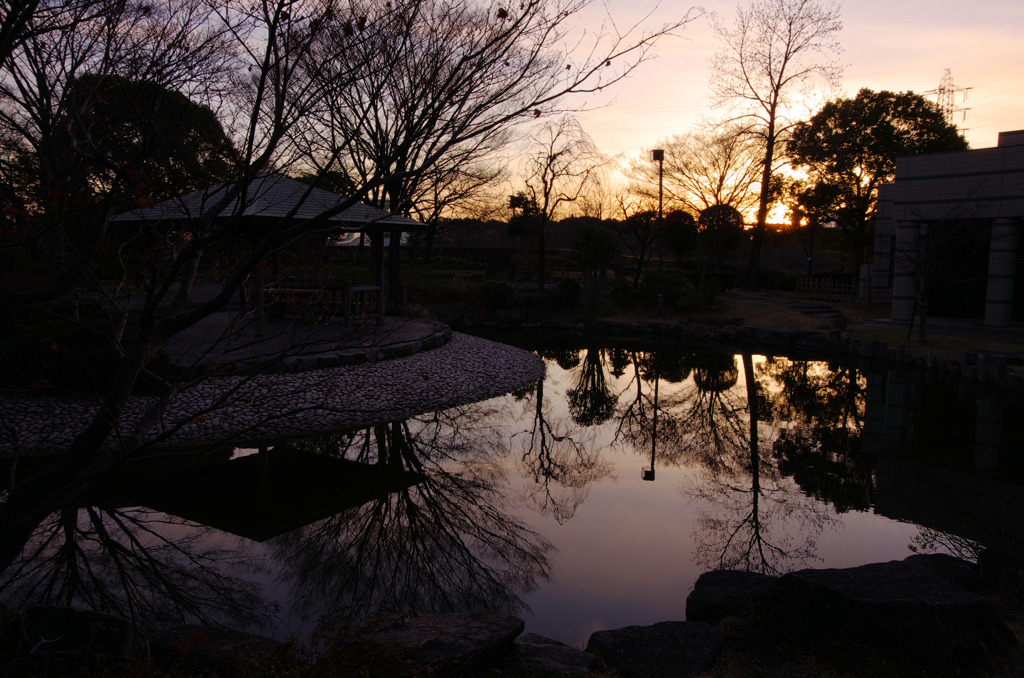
<point>826,289</point>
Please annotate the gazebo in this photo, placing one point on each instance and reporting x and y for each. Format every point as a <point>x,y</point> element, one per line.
<point>274,199</point>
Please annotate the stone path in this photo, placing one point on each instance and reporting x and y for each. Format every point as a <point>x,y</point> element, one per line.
<point>244,409</point>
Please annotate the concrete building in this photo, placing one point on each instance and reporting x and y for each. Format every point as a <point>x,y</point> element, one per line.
<point>983,188</point>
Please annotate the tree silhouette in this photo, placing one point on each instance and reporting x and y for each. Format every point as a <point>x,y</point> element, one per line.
<point>769,55</point>
<point>277,77</point>
<point>821,446</point>
<point>850,148</point>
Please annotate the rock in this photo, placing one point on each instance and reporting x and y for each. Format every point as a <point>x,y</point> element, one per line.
<point>673,649</point>
<point>550,654</point>
<point>473,638</point>
<point>65,630</point>
<point>724,593</point>
<point>911,610</point>
<point>216,649</point>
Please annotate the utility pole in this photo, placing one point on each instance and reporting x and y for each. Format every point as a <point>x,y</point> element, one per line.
<point>658,156</point>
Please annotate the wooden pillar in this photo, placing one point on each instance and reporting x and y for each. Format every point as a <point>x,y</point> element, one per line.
<point>378,243</point>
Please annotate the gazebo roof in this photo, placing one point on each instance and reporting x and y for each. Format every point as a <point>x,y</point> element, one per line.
<point>271,198</point>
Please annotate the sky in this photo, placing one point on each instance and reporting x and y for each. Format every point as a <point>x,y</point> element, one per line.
<point>897,45</point>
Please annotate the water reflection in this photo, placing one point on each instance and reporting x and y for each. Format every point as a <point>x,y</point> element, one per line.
<point>590,400</point>
<point>762,463</point>
<point>752,525</point>
<point>560,463</point>
<point>443,544</point>
<point>820,446</point>
<point>145,566</point>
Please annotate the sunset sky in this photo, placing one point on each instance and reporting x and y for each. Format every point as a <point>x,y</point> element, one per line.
<point>897,45</point>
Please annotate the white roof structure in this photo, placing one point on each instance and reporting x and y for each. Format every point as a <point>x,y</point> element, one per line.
<point>271,198</point>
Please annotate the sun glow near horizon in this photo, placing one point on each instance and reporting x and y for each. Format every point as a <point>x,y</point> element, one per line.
<point>885,47</point>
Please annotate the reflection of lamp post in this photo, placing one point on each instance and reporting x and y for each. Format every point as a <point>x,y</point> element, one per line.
<point>658,156</point>
<point>645,474</point>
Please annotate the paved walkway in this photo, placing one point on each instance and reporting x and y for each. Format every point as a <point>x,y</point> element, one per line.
<point>226,345</point>
<point>309,379</point>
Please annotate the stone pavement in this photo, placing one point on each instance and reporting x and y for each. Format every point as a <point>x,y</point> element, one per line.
<point>294,379</point>
<point>226,344</point>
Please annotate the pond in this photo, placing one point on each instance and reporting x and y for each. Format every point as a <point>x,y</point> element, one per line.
<point>591,500</point>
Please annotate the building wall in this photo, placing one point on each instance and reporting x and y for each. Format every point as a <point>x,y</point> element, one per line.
<point>985,183</point>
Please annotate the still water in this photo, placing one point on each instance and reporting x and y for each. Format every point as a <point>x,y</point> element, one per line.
<point>591,500</point>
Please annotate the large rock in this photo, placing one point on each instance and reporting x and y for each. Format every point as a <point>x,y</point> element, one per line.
<point>725,593</point>
<point>912,610</point>
<point>551,654</point>
<point>672,649</point>
<point>469,638</point>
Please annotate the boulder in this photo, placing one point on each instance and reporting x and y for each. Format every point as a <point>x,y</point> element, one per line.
<point>673,649</point>
<point>550,654</point>
<point>913,610</point>
<point>475,639</point>
<point>724,593</point>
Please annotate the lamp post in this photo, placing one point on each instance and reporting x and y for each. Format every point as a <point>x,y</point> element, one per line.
<point>658,156</point>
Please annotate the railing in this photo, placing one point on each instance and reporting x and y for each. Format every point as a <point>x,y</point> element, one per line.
<point>324,303</point>
<point>826,289</point>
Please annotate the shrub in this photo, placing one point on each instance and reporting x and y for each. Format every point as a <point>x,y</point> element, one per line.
<point>673,284</point>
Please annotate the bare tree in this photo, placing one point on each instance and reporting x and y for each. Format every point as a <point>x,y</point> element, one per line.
<point>461,187</point>
<point>459,75</point>
<point>771,54</point>
<point>274,73</point>
<point>949,251</point>
<point>717,167</point>
<point>557,173</point>
<point>640,232</point>
<point>120,561</point>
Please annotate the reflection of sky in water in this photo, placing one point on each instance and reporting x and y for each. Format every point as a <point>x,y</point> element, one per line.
<point>626,551</point>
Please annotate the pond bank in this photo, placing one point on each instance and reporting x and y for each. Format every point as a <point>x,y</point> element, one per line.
<point>921,614</point>
<point>980,365</point>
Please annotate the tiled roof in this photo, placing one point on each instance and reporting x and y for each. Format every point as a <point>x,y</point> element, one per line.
<point>273,197</point>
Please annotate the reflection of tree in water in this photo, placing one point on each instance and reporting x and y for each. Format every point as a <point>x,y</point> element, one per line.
<point>695,420</point>
<point>711,416</point>
<point>820,448</point>
<point>758,523</point>
<point>637,418</point>
<point>443,544</point>
<point>150,568</point>
<point>591,402</point>
<point>566,358</point>
<point>618,360</point>
<point>561,467</point>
